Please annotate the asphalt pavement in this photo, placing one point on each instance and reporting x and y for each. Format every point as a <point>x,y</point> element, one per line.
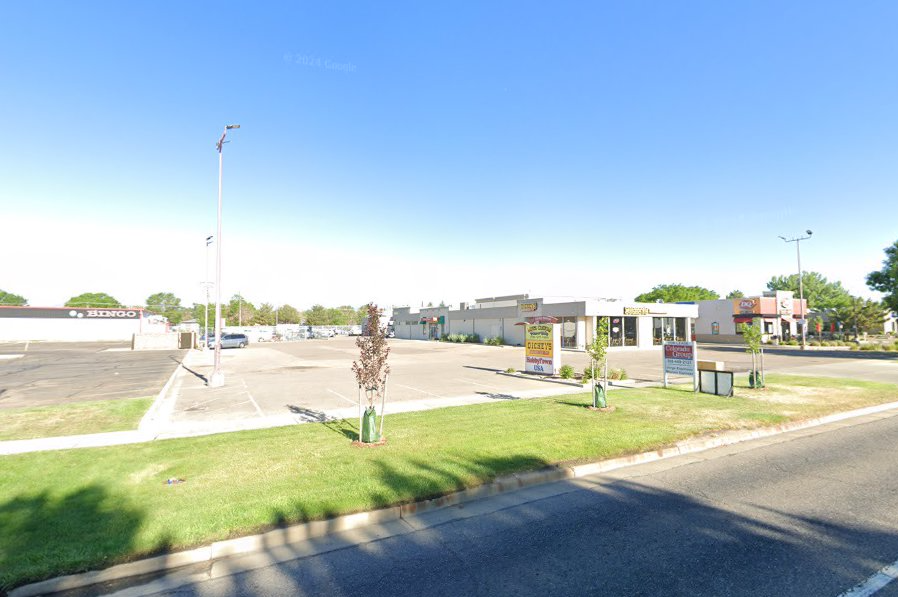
<point>806,513</point>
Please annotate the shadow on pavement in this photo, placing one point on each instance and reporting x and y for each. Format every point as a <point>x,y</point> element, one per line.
<point>189,370</point>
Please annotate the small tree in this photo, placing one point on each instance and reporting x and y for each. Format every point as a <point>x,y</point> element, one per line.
<point>598,350</point>
<point>752,335</point>
<point>371,372</point>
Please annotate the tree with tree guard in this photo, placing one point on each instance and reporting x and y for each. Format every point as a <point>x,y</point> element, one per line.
<point>819,292</point>
<point>886,279</point>
<point>676,293</point>
<point>371,372</point>
<point>8,299</point>
<point>598,350</point>
<point>752,335</point>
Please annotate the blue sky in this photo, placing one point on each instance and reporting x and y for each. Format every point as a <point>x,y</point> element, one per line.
<point>409,152</point>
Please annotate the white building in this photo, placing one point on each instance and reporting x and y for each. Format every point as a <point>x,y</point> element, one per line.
<point>631,325</point>
<point>71,324</point>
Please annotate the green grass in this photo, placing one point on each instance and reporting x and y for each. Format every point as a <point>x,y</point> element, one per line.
<point>69,511</point>
<point>72,419</point>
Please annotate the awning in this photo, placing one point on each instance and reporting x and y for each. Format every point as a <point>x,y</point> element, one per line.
<point>428,320</point>
<point>742,319</point>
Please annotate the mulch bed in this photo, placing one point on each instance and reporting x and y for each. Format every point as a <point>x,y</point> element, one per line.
<point>381,442</point>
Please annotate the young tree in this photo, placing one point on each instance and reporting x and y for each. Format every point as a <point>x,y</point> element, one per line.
<point>752,335</point>
<point>675,293</point>
<point>93,299</point>
<point>10,299</point>
<point>886,279</point>
<point>371,372</point>
<point>167,305</point>
<point>820,293</point>
<point>597,351</point>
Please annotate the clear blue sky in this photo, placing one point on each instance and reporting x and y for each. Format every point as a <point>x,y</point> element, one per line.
<point>408,152</point>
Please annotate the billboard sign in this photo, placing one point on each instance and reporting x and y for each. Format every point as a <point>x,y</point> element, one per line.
<point>680,359</point>
<point>542,348</point>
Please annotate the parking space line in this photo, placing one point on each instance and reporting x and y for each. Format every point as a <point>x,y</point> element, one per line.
<point>342,396</point>
<point>876,582</point>
<point>258,410</point>
<point>476,383</point>
<point>419,390</point>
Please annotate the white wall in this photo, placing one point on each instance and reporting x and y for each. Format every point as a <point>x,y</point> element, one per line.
<point>709,312</point>
<point>71,330</point>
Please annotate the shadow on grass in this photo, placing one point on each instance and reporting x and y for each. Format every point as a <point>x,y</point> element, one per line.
<point>44,535</point>
<point>344,427</point>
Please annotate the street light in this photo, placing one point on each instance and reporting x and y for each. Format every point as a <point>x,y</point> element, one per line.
<point>217,378</point>
<point>804,324</point>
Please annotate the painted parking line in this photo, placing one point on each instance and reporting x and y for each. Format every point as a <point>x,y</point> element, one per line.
<point>253,400</point>
<point>420,390</point>
<point>339,395</point>
<point>876,582</point>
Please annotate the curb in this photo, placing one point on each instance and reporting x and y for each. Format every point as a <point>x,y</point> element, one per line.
<point>148,421</point>
<point>254,544</point>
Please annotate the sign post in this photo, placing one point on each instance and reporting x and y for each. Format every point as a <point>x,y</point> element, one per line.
<point>680,359</point>
<point>542,348</point>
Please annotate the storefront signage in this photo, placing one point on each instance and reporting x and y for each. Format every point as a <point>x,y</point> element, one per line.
<point>542,348</point>
<point>746,306</point>
<point>784,306</point>
<point>69,313</point>
<point>528,307</point>
<point>636,310</point>
<point>680,359</point>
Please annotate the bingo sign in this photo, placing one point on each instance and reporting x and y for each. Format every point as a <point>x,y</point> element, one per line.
<point>679,359</point>
<point>542,348</point>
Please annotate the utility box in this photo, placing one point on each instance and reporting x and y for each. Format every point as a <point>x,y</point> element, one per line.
<point>710,365</point>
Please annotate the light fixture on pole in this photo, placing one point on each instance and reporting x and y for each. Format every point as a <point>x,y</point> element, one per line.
<point>217,377</point>
<point>804,324</point>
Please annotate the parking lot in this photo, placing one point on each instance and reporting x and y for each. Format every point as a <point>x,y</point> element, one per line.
<point>286,382</point>
<point>43,373</point>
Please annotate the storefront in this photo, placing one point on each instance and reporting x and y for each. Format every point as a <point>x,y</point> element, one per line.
<point>779,314</point>
<point>631,326</point>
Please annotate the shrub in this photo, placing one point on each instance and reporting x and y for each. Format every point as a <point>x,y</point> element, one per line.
<point>867,347</point>
<point>511,370</point>
<point>792,342</point>
<point>497,341</point>
<point>619,374</point>
<point>472,338</point>
<point>566,372</point>
<point>815,343</point>
<point>587,375</point>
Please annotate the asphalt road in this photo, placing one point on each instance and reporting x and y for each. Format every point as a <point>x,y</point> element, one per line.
<point>811,513</point>
<point>59,373</point>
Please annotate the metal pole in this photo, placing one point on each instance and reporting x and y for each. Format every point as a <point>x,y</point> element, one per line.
<point>217,378</point>
<point>801,296</point>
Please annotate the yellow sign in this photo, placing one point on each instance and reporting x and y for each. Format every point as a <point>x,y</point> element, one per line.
<point>636,310</point>
<point>528,307</point>
<point>541,348</point>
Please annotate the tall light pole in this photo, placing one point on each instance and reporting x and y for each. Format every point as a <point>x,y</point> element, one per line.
<point>206,285</point>
<point>804,324</point>
<point>217,378</point>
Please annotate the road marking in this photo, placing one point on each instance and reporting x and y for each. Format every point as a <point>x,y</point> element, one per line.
<point>874,583</point>
<point>483,385</point>
<point>26,346</point>
<point>419,390</point>
<point>342,396</point>
<point>258,410</point>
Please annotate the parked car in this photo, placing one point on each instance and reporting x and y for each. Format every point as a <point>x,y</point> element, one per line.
<point>234,341</point>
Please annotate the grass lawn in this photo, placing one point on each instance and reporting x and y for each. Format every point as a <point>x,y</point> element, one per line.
<point>75,510</point>
<point>72,419</point>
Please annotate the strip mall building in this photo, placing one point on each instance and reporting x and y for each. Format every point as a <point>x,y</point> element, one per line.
<point>631,325</point>
<point>779,312</point>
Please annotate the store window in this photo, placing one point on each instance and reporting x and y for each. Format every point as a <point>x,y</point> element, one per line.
<point>569,332</point>
<point>616,331</point>
<point>663,329</point>
<point>680,327</point>
<point>629,331</point>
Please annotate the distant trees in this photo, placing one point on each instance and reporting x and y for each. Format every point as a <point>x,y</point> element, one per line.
<point>675,293</point>
<point>10,299</point>
<point>886,279</point>
<point>167,305</point>
<point>93,299</point>
<point>735,294</point>
<point>288,314</point>
<point>819,292</point>
<point>861,315</point>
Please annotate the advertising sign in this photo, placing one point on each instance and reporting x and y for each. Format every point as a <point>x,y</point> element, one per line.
<point>746,305</point>
<point>680,359</point>
<point>529,308</point>
<point>70,313</point>
<point>542,348</point>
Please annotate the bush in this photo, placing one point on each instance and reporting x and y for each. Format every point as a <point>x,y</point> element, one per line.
<point>474,338</point>
<point>792,342</point>
<point>869,347</point>
<point>815,343</point>
<point>511,370</point>
<point>566,372</point>
<point>587,375</point>
<point>618,374</point>
<point>497,341</point>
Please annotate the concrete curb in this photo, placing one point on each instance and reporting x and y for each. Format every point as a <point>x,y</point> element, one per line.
<point>148,422</point>
<point>255,544</point>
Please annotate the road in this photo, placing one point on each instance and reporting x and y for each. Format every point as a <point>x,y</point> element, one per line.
<point>809,513</point>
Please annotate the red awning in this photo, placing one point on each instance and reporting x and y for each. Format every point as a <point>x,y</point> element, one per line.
<point>742,319</point>
<point>428,320</point>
